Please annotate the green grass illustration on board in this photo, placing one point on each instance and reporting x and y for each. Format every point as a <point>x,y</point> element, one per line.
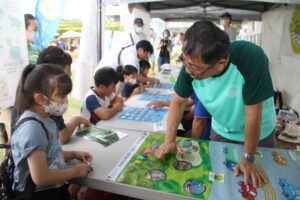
<point>188,176</point>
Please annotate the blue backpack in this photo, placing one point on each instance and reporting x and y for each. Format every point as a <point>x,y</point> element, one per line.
<point>7,171</point>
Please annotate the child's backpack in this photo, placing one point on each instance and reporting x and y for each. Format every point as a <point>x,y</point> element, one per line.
<point>7,171</point>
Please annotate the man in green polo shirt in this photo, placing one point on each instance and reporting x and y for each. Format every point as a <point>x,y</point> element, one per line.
<point>233,82</point>
<point>31,36</point>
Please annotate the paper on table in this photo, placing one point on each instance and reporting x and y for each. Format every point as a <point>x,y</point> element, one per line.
<point>103,136</point>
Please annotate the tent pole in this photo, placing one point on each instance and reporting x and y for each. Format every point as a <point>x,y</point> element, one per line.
<point>99,30</point>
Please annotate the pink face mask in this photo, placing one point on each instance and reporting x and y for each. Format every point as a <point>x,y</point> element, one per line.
<point>56,109</point>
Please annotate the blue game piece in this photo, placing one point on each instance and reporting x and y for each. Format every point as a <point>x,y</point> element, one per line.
<point>145,155</point>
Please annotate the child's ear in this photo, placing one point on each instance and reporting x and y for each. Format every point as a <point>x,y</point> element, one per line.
<point>40,99</point>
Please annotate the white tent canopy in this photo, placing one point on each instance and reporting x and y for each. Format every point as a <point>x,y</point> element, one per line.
<point>70,34</point>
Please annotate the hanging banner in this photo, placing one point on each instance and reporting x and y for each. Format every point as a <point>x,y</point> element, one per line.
<point>290,42</point>
<point>48,15</point>
<point>13,50</point>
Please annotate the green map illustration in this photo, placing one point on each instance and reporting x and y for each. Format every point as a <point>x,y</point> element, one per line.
<point>188,175</point>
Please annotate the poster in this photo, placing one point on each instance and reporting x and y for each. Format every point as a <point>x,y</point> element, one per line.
<point>13,50</point>
<point>290,42</point>
<point>206,170</point>
<point>48,14</point>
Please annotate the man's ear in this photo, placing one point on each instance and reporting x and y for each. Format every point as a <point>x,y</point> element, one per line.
<point>222,64</point>
<point>40,99</point>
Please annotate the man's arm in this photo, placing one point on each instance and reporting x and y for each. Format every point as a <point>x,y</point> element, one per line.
<point>174,117</point>
<point>253,125</point>
<point>252,134</point>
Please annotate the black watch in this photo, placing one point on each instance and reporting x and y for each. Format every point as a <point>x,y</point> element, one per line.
<point>250,156</point>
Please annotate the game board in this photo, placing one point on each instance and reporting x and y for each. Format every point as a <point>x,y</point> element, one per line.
<point>186,176</point>
<point>206,170</point>
<point>143,114</point>
<point>155,97</point>
<point>169,86</point>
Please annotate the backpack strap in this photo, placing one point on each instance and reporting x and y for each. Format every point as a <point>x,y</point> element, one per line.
<point>4,146</point>
<point>119,55</point>
<point>22,121</point>
<point>132,42</point>
<point>5,169</point>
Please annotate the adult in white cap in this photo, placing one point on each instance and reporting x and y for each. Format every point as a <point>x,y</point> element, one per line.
<point>136,34</point>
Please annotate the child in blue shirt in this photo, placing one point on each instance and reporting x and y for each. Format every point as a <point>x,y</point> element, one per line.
<point>202,120</point>
<point>101,102</point>
<point>38,153</point>
<point>57,56</point>
<point>129,85</point>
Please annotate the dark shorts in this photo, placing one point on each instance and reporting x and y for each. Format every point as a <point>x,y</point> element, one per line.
<point>266,142</point>
<point>60,193</point>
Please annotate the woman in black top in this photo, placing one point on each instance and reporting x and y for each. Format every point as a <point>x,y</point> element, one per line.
<point>165,47</point>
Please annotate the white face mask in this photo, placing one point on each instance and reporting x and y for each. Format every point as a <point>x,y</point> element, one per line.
<point>139,30</point>
<point>132,81</point>
<point>56,109</point>
<point>222,22</point>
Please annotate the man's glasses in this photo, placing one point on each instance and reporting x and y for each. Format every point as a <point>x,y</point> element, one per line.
<point>194,70</point>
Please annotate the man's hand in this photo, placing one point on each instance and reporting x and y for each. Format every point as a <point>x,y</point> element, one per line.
<point>250,172</point>
<point>156,104</point>
<point>166,148</point>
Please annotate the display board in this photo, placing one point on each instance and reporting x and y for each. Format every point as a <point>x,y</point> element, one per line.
<point>206,170</point>
<point>13,50</point>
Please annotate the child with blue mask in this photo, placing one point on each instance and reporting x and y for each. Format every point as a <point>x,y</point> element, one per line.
<point>129,85</point>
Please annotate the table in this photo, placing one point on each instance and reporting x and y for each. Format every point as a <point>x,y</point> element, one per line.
<point>105,159</point>
<point>117,123</point>
<point>135,100</point>
<point>283,177</point>
<point>169,73</point>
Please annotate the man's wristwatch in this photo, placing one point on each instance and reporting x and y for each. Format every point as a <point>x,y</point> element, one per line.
<point>250,156</point>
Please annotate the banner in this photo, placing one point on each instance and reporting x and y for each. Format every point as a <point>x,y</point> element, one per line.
<point>48,15</point>
<point>290,42</point>
<point>13,50</point>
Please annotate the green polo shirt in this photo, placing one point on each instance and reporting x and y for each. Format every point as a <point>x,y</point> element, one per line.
<point>246,81</point>
<point>33,53</point>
